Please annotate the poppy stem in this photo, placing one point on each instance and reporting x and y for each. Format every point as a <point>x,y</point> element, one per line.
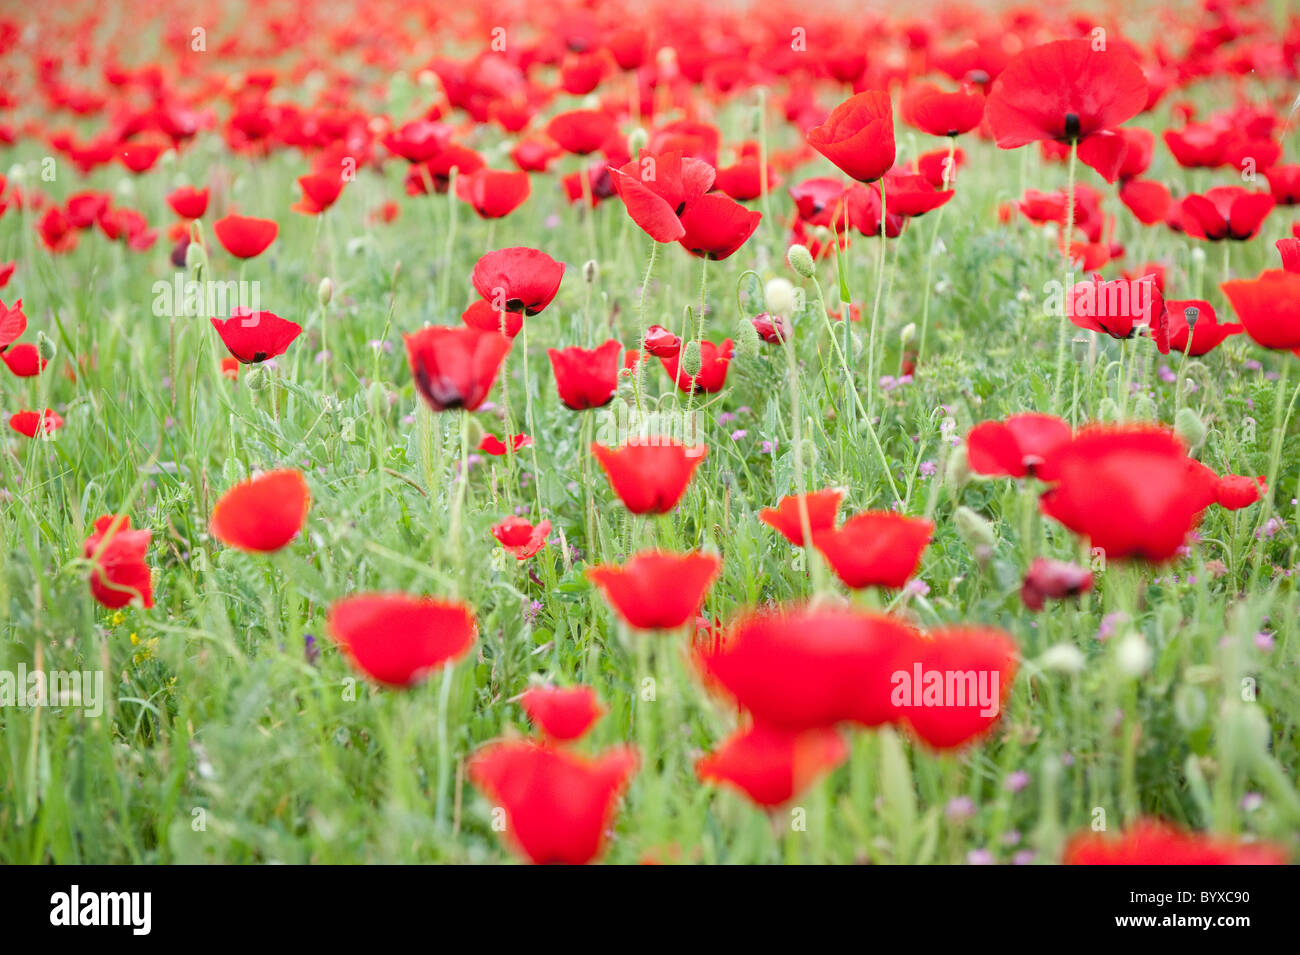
<point>1280,424</point>
<point>588,208</point>
<point>875,307</point>
<point>1069,268</point>
<point>815,567</point>
<point>450,244</point>
<point>929,255</point>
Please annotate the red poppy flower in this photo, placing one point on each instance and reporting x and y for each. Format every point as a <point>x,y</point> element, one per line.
<point>518,279</point>
<point>494,446</point>
<point>805,668</point>
<point>24,360</point>
<point>562,713</point>
<point>244,236</point>
<point>419,140</point>
<point>256,336</point>
<point>580,73</point>
<point>1064,91</point>
<point>822,506</point>
<point>858,137</point>
<point>773,329</point>
<point>12,323</point>
<point>481,314</point>
<point>864,210</point>
<point>188,202</point>
<point>1197,145</point>
<point>649,475</point>
<point>118,571</point>
<point>1014,447</point>
<point>1147,199</point>
<point>1053,580</point>
<point>1118,307</point>
<point>816,199</point>
<point>396,639</point>
<point>141,157</point>
<point>955,687</point>
<point>935,167</point>
<point>586,377</point>
<point>1284,184</point>
<point>1206,334</point>
<point>492,193</point>
<point>771,766</point>
<point>875,548</point>
<point>658,190</point>
<point>29,422</point>
<point>1234,491</point>
<point>6,269</point>
<point>56,231</point>
<point>436,172</point>
<point>655,590</point>
<point>1104,152</point>
<point>1141,145</point>
<point>1152,842</point>
<point>1269,307</point>
<point>716,226</point>
<point>1132,490</point>
<point>320,190</point>
<point>263,513</point>
<point>743,181</point>
<point>455,367</point>
<point>939,113</point>
<point>1289,250</point>
<point>558,804</point>
<point>519,537</point>
<point>1225,212</point>
<point>660,342</point>
<point>714,361</point>
<point>581,131</point>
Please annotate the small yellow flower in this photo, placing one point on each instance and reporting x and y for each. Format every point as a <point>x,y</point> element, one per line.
<point>135,640</point>
<point>118,618</point>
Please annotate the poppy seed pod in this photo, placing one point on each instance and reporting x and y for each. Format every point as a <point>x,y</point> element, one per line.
<point>1189,427</point>
<point>801,260</point>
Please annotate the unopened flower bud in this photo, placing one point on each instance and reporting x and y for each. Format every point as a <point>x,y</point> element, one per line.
<point>778,293</point>
<point>975,530</point>
<point>747,340</point>
<point>1133,655</point>
<point>1107,410</point>
<point>956,473</point>
<point>1189,427</point>
<point>907,333</point>
<point>691,359</point>
<point>257,378</point>
<point>801,260</point>
<point>45,346</point>
<point>324,291</point>
<point>1062,658</point>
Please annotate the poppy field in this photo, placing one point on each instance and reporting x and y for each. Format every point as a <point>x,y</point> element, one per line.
<point>649,433</point>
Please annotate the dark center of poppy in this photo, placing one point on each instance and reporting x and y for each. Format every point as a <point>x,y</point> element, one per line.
<point>515,305</point>
<point>1072,126</point>
<point>259,356</point>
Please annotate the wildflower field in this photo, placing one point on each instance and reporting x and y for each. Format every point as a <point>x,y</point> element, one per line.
<point>645,432</point>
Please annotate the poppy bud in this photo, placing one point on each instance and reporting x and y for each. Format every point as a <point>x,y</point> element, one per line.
<point>257,379</point>
<point>195,260</point>
<point>1107,410</point>
<point>957,472</point>
<point>1145,408</point>
<point>1189,427</point>
<point>1244,729</point>
<point>1133,656</point>
<point>590,271</point>
<point>801,260</point>
<point>324,291</point>
<point>779,296</point>
<point>1190,707</point>
<point>45,346</point>
<point>747,340</point>
<point>691,360</point>
<point>907,333</point>
<point>1062,658</point>
<point>975,531</point>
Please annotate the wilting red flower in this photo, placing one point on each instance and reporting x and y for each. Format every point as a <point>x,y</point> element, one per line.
<point>858,137</point>
<point>455,367</point>
<point>1064,91</point>
<point>716,226</point>
<point>518,279</point>
<point>12,323</point>
<point>494,446</point>
<point>773,329</point>
<point>519,537</point>
<point>562,713</point>
<point>1269,307</point>
<point>658,190</point>
<point>1052,580</point>
<point>875,548</point>
<point>954,689</point>
<point>396,639</point>
<point>118,572</point>
<point>1152,842</point>
<point>188,202</point>
<point>1118,307</point>
<point>771,766</point>
<point>655,590</point>
<point>1204,331</point>
<point>24,360</point>
<point>29,422</point>
<point>558,804</point>
<point>660,342</point>
<point>256,336</point>
<point>586,377</point>
<point>714,361</point>
<point>1225,212</point>
<point>320,190</point>
<point>805,668</point>
<point>493,193</point>
<point>939,113</point>
<point>649,475</point>
<point>1132,490</point>
<point>822,507</point>
<point>581,131</point>
<point>481,314</point>
<point>244,236</point>
<point>1233,492</point>
<point>1015,447</point>
<point>263,513</point>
